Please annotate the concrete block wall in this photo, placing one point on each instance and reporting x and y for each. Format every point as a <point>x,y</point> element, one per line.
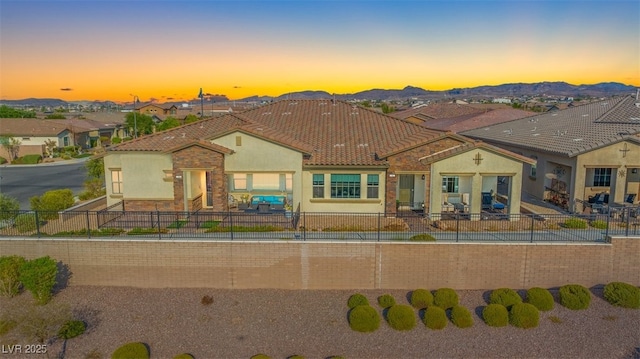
<point>335,265</point>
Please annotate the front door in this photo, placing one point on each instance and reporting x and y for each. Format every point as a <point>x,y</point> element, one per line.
<point>209,194</point>
<point>406,191</point>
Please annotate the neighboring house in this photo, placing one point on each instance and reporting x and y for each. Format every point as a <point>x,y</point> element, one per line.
<point>580,151</point>
<point>323,155</point>
<point>156,109</point>
<point>89,133</point>
<point>473,121</point>
<point>33,133</point>
<point>435,111</point>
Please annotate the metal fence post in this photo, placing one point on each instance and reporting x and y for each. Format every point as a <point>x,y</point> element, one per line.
<point>88,226</point>
<point>627,215</point>
<point>231,224</point>
<point>304,226</point>
<point>457,227</point>
<point>606,229</point>
<point>378,226</point>
<point>159,231</point>
<point>38,224</point>
<point>532,225</point>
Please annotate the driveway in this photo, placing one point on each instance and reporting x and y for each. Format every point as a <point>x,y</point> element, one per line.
<point>25,181</point>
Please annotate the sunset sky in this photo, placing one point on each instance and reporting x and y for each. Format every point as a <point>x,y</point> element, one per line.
<point>168,50</point>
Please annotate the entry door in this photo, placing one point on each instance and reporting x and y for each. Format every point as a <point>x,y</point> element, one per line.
<point>406,189</point>
<point>209,181</point>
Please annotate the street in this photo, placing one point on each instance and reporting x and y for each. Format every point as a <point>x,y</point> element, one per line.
<point>25,181</point>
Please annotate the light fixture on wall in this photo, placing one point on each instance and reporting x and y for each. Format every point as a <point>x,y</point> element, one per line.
<point>423,177</point>
<point>634,170</point>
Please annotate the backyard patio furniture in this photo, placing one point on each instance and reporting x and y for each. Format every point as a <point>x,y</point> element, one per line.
<point>489,203</point>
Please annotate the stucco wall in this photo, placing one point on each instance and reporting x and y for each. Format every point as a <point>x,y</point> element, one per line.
<point>352,205</point>
<point>336,265</point>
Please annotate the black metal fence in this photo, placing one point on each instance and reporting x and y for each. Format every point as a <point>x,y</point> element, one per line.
<point>115,223</point>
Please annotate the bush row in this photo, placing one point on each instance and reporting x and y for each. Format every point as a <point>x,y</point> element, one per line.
<point>37,276</point>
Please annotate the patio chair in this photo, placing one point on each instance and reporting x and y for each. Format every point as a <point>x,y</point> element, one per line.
<point>631,197</point>
<point>446,206</point>
<point>488,203</point>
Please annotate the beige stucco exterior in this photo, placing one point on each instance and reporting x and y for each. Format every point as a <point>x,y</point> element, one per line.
<point>475,177</point>
<point>352,205</point>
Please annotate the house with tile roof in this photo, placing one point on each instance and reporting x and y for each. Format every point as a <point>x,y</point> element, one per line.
<point>322,155</point>
<point>580,151</point>
<point>33,134</point>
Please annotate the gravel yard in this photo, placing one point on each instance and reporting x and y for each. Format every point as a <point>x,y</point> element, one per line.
<point>280,323</point>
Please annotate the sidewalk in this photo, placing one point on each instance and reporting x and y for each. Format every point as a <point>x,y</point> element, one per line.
<point>55,163</point>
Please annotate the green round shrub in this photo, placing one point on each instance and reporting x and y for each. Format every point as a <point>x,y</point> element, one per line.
<point>25,222</point>
<point>524,315</point>
<point>461,317</point>
<point>423,237</point>
<point>364,318</point>
<point>71,329</point>
<point>421,298</point>
<point>541,298</point>
<point>183,356</point>
<point>401,317</point>
<point>386,301</point>
<point>260,356</point>
<point>504,296</point>
<point>622,295</point>
<point>356,300</point>
<point>599,224</point>
<point>131,350</point>
<point>435,317</point>
<point>575,296</point>
<point>575,223</point>
<point>495,315</point>
<point>445,298</point>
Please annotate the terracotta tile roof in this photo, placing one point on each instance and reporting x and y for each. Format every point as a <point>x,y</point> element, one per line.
<point>329,132</point>
<point>436,111</point>
<point>105,118</point>
<point>340,133</point>
<point>27,127</point>
<point>472,145</point>
<point>473,121</point>
<point>571,131</point>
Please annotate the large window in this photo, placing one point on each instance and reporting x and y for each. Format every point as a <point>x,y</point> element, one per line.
<point>345,186</point>
<point>450,184</point>
<point>318,185</point>
<point>266,181</point>
<point>116,181</point>
<point>602,177</point>
<point>239,181</point>
<point>373,184</point>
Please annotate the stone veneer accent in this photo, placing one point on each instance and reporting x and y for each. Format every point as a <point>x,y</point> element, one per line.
<point>197,157</point>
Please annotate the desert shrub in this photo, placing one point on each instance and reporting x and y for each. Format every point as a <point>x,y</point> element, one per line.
<point>36,323</point>
<point>31,159</point>
<point>386,300</point>
<point>9,207</point>
<point>364,318</point>
<point>356,300</point>
<point>524,315</point>
<point>25,222</point>
<point>93,188</point>
<point>183,356</point>
<point>575,223</point>
<point>575,296</point>
<point>599,224</point>
<point>495,315</point>
<point>71,329</point>
<point>461,317</point>
<point>421,298</point>
<point>51,202</point>
<point>131,350</point>
<point>260,356</point>
<point>116,140</point>
<point>422,238</point>
<point>445,298</point>
<point>504,296</point>
<point>435,317</point>
<point>3,160</point>
<point>39,276</point>
<point>540,298</point>
<point>622,295</point>
<point>207,300</point>
<point>6,326</point>
<point>401,317</point>
<point>10,275</point>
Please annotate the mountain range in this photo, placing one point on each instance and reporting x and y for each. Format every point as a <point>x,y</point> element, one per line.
<point>550,89</point>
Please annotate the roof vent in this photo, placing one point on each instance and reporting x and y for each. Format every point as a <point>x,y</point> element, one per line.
<point>577,139</point>
<point>585,115</point>
<point>363,145</point>
<point>266,113</point>
<point>535,134</point>
<point>286,113</point>
<point>634,119</point>
<point>339,145</point>
<point>292,103</point>
<point>326,113</point>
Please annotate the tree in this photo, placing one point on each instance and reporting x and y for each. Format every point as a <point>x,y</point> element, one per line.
<point>144,123</point>
<point>11,145</point>
<point>9,207</point>
<point>386,108</point>
<point>95,168</point>
<point>9,112</point>
<point>51,202</point>
<point>50,146</point>
<point>168,123</point>
<point>39,277</point>
<point>191,118</point>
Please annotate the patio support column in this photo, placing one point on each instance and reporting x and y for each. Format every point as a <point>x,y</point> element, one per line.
<point>476,195</point>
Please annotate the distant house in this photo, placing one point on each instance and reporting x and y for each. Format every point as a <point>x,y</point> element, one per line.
<point>322,155</point>
<point>33,133</point>
<point>156,109</point>
<point>436,111</point>
<point>580,151</point>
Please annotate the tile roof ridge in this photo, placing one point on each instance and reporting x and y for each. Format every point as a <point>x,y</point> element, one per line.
<point>621,101</point>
